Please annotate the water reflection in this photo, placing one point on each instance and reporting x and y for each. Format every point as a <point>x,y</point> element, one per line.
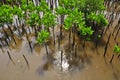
<point>61,64</point>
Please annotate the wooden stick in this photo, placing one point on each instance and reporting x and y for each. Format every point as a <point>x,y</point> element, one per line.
<point>53,36</point>
<point>61,59</point>
<point>29,44</point>
<point>111,58</point>
<point>26,61</point>
<point>75,51</point>
<point>10,58</point>
<point>106,46</point>
<point>58,42</point>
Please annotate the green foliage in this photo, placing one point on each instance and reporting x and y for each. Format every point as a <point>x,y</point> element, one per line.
<point>34,19</point>
<point>85,6</point>
<point>61,11</point>
<point>48,20</point>
<point>6,15</point>
<point>24,2</point>
<point>116,49</point>
<point>43,6</point>
<point>81,4</point>
<point>79,12</point>
<point>9,1</point>
<point>68,3</point>
<point>28,7</point>
<point>24,7</point>
<point>68,23</point>
<point>100,19</point>
<point>86,31</point>
<point>75,17</point>
<point>43,36</point>
<point>94,5</point>
<point>31,6</point>
<point>17,11</point>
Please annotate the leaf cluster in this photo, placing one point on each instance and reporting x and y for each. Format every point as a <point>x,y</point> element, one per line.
<point>48,20</point>
<point>99,18</point>
<point>75,17</point>
<point>86,31</point>
<point>116,49</point>
<point>43,36</point>
<point>6,14</point>
<point>34,19</point>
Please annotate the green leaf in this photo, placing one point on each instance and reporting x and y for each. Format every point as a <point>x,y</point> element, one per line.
<point>116,49</point>
<point>99,18</point>
<point>86,31</point>
<point>48,19</point>
<point>43,36</point>
<point>68,23</point>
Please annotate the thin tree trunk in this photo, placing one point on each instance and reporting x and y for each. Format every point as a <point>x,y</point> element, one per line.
<point>69,39</point>
<point>73,35</point>
<point>30,46</point>
<point>105,51</point>
<point>12,34</point>
<point>18,28</point>
<point>53,36</point>
<point>23,29</point>
<point>61,31</point>
<point>29,30</point>
<point>7,43</point>
<point>119,55</point>
<point>14,39</point>
<point>27,2</point>
<point>106,46</point>
<point>111,58</point>
<point>58,42</point>
<point>61,59</point>
<point>35,31</point>
<point>75,51</point>
<point>29,43</point>
<point>62,19</point>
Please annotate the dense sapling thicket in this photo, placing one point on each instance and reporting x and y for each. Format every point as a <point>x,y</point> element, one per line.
<point>71,25</point>
<point>82,17</point>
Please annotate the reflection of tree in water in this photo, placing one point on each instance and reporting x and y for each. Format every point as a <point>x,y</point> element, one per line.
<point>62,62</point>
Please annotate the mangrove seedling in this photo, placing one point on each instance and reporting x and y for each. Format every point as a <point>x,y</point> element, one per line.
<point>43,37</point>
<point>116,51</point>
<point>33,21</point>
<point>49,21</point>
<point>61,11</point>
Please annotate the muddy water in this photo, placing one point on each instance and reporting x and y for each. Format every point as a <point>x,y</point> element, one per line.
<point>88,64</point>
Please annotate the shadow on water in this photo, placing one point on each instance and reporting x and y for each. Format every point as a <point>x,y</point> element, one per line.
<point>45,66</point>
